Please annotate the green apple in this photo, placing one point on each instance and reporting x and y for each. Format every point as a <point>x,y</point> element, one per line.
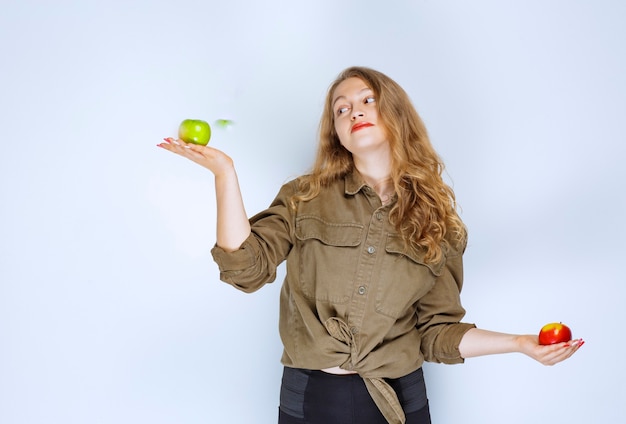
<point>224,123</point>
<point>194,131</point>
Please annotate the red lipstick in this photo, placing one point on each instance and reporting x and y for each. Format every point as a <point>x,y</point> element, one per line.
<point>360,125</point>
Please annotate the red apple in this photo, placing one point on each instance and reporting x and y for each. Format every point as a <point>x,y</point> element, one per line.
<point>194,131</point>
<point>555,332</point>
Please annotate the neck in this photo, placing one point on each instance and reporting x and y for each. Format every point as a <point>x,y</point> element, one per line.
<point>379,180</point>
<point>374,169</point>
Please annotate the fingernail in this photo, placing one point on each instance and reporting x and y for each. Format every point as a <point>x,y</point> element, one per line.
<point>582,342</point>
<point>566,345</point>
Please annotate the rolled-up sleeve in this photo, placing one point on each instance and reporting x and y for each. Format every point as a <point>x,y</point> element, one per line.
<point>254,264</point>
<point>440,312</point>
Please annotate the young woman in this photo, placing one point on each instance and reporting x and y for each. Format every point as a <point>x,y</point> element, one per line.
<point>374,249</point>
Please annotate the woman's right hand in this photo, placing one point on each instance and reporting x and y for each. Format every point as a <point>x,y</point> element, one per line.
<point>213,159</point>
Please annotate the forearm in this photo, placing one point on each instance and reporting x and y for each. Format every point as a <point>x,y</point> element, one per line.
<point>233,227</point>
<point>478,342</point>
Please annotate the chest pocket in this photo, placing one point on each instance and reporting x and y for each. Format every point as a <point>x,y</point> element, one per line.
<point>405,278</point>
<point>328,254</point>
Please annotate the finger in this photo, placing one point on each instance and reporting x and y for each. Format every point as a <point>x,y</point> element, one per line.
<point>195,147</point>
<point>170,142</point>
<point>167,145</point>
<point>174,141</point>
<point>563,352</point>
<point>189,146</point>
<point>175,146</point>
<point>549,354</point>
<point>201,155</point>
<point>577,344</point>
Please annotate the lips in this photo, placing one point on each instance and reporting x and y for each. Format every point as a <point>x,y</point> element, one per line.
<point>360,126</point>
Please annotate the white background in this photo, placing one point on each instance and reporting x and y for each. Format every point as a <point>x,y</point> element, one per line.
<point>110,306</point>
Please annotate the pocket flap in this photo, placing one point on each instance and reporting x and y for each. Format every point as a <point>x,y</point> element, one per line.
<point>333,234</point>
<point>395,245</point>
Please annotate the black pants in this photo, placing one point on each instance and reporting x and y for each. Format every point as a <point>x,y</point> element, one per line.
<point>316,397</point>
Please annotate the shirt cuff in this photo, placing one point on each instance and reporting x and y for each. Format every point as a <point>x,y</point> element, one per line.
<point>448,341</point>
<point>237,260</point>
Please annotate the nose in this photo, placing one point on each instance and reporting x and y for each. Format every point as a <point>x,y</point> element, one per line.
<point>356,113</point>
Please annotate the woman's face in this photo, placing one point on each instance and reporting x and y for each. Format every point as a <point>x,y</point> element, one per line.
<point>356,118</point>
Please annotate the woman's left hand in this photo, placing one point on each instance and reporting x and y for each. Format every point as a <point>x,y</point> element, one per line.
<point>548,354</point>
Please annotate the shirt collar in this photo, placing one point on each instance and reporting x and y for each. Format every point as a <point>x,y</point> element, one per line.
<point>353,182</point>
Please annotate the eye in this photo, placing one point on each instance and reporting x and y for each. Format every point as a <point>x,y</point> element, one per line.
<point>369,99</point>
<point>342,109</point>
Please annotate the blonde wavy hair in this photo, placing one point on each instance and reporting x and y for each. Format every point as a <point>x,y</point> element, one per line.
<point>425,213</point>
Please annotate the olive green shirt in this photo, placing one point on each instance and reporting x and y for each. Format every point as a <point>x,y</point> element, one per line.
<point>353,296</point>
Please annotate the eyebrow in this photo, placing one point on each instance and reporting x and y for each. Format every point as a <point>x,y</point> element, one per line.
<point>344,97</point>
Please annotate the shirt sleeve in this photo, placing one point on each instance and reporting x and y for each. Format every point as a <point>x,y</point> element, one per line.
<point>254,264</point>
<point>439,314</point>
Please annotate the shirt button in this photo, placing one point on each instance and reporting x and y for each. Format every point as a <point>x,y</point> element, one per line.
<point>362,290</point>
<point>371,249</point>
<point>379,216</point>
<point>354,330</point>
